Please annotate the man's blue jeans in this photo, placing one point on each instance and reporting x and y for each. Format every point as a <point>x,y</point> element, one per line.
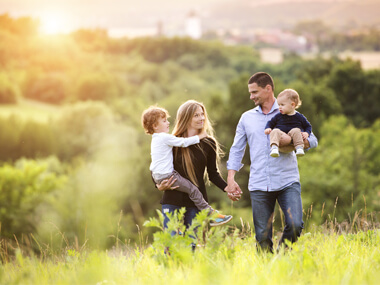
<point>263,204</point>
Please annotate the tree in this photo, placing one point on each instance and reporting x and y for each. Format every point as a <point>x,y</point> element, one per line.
<point>48,88</point>
<point>9,92</point>
<point>357,91</point>
<point>22,189</point>
<point>97,87</point>
<point>345,165</point>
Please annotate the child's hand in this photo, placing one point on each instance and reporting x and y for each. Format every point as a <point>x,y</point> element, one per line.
<point>202,135</point>
<point>267,131</point>
<point>305,135</point>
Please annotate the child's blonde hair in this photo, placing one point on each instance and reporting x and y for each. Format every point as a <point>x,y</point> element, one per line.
<point>292,95</point>
<point>150,118</point>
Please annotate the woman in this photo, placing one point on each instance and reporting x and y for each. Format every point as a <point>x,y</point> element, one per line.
<point>191,162</point>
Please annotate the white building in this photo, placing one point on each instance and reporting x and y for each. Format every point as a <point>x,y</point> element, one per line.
<point>193,27</point>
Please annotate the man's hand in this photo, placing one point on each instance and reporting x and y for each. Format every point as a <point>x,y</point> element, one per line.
<point>167,184</point>
<point>233,190</point>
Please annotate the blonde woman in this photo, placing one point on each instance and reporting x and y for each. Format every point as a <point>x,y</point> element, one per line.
<point>192,162</point>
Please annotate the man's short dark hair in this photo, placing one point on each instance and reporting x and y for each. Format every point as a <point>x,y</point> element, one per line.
<point>262,79</point>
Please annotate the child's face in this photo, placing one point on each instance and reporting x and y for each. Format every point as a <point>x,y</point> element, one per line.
<point>162,125</point>
<point>286,106</point>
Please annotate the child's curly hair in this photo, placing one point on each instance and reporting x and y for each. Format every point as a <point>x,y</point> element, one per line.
<point>150,118</point>
<point>292,95</point>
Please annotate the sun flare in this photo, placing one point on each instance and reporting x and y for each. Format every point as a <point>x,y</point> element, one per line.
<point>52,24</point>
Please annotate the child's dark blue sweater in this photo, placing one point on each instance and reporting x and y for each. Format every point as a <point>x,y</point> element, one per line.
<point>287,122</point>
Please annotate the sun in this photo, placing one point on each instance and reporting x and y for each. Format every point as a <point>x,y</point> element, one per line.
<point>52,24</point>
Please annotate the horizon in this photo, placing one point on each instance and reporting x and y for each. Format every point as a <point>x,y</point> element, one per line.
<point>124,17</point>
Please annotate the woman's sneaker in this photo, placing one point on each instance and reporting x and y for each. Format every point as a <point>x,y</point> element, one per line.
<point>218,219</point>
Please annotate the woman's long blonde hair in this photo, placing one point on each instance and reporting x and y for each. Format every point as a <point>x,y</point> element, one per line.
<point>185,114</point>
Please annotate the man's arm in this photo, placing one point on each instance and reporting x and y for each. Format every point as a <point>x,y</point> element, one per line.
<point>287,146</point>
<point>311,142</point>
<point>234,161</point>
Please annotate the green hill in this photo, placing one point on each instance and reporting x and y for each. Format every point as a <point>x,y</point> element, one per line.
<point>29,109</point>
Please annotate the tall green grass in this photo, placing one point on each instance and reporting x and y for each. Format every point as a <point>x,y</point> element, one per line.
<point>224,255</point>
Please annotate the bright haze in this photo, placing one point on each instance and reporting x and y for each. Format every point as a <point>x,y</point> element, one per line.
<point>59,16</point>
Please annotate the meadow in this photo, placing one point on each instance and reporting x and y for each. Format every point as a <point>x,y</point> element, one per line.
<point>224,255</point>
<point>29,110</point>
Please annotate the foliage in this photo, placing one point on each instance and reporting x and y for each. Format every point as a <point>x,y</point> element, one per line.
<point>342,170</point>
<point>357,91</point>
<point>316,258</point>
<point>97,87</point>
<point>9,92</point>
<point>23,188</point>
<point>25,139</point>
<point>81,127</point>
<point>319,33</point>
<point>49,88</point>
<point>23,26</point>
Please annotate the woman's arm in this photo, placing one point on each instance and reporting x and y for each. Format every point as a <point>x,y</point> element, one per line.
<point>212,169</point>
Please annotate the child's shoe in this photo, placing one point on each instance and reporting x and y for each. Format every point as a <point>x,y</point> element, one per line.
<point>274,152</point>
<point>300,152</point>
<point>218,219</point>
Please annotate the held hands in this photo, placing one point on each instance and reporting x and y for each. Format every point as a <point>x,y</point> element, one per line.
<point>167,184</point>
<point>267,131</point>
<point>233,191</point>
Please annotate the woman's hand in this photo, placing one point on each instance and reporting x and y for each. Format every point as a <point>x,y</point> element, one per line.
<point>167,184</point>
<point>233,191</point>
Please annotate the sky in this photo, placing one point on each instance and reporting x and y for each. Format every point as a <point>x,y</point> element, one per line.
<point>67,15</point>
<point>119,17</point>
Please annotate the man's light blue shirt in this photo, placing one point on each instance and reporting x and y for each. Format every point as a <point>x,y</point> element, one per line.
<point>266,173</point>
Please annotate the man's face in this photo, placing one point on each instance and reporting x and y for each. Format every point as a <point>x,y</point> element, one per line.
<point>258,94</point>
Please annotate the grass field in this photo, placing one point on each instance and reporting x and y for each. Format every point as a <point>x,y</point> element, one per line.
<point>225,256</point>
<point>30,110</point>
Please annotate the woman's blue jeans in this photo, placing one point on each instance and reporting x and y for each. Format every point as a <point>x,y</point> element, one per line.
<point>263,204</point>
<point>190,214</point>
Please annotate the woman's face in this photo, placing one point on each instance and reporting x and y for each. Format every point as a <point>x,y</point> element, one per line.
<point>198,120</point>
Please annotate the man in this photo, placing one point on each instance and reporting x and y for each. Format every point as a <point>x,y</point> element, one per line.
<point>271,179</point>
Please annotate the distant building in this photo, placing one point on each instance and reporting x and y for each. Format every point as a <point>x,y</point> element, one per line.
<point>281,39</point>
<point>160,29</point>
<point>193,27</point>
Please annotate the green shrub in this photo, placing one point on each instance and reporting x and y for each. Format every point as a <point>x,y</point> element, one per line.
<point>8,91</point>
<point>23,188</point>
